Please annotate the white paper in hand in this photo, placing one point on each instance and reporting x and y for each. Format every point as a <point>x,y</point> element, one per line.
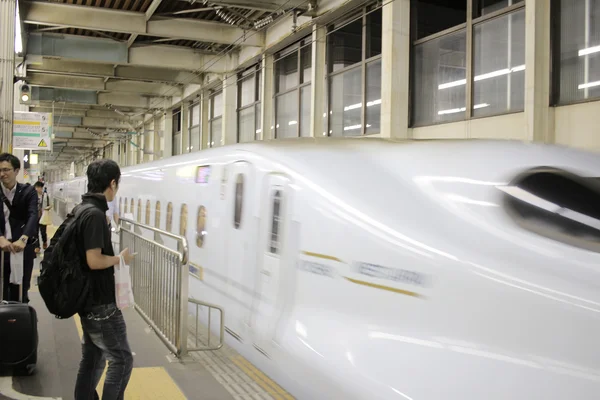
<point>123,287</point>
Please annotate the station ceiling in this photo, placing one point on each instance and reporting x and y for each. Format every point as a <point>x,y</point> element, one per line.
<point>104,66</point>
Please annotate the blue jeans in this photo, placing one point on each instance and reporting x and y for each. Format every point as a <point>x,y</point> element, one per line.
<point>104,337</point>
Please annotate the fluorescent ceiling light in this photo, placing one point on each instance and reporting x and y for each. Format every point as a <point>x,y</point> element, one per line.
<point>18,38</point>
<point>461,109</point>
<point>589,85</point>
<point>589,50</point>
<point>488,75</point>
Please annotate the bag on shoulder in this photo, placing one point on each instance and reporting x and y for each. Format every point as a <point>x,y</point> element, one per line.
<point>64,279</point>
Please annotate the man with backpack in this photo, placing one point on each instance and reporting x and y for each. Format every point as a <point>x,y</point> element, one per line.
<point>78,277</point>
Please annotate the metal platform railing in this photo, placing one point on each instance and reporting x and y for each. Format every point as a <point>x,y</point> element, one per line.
<point>160,279</point>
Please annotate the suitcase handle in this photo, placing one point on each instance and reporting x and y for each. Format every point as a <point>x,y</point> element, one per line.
<point>2,255</point>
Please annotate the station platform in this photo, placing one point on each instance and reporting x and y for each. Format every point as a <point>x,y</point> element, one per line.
<point>208,375</point>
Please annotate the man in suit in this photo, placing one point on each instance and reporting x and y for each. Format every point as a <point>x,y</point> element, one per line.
<point>18,227</point>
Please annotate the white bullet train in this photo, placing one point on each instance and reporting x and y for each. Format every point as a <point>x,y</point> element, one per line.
<point>376,269</point>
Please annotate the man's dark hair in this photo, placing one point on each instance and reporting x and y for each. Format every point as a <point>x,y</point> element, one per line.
<point>101,173</point>
<point>38,184</point>
<point>13,160</point>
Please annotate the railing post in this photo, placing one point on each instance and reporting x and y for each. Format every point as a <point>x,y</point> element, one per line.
<point>183,300</point>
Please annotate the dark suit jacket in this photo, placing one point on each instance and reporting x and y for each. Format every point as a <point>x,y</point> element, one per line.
<point>24,215</point>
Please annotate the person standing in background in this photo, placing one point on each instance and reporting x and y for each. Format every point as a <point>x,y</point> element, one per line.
<point>18,228</point>
<point>113,213</point>
<point>43,212</point>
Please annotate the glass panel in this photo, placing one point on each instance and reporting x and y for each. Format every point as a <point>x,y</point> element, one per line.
<point>346,103</point>
<point>440,78</point>
<point>247,91</point>
<point>195,139</point>
<point>183,220</point>
<point>169,221</point>
<point>484,7</point>
<point>275,221</point>
<point>306,60</point>
<point>215,132</point>
<point>201,226</point>
<point>177,144</point>
<point>239,201</point>
<point>345,46</point>
<point>305,111</point>
<point>246,124</point>
<point>286,72</point>
<point>579,51</point>
<point>258,122</point>
<point>499,65</point>
<point>217,105</point>
<point>374,33</point>
<point>434,16</point>
<point>196,114</point>
<point>373,97</point>
<point>286,118</point>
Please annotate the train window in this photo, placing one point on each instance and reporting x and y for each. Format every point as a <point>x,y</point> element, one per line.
<point>275,222</point>
<point>557,204</point>
<point>139,211</point>
<point>239,199</point>
<point>183,220</point>
<point>125,204</point>
<point>132,208</point>
<point>169,221</point>
<point>120,203</point>
<point>148,205</point>
<point>157,215</point>
<point>201,226</point>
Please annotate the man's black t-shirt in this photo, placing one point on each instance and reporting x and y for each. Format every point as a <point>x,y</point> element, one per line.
<point>94,234</point>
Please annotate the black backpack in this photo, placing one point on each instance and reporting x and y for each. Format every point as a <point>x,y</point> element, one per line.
<point>64,277</point>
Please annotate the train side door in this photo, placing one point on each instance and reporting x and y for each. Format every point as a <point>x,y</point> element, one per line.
<point>239,226</point>
<point>274,250</point>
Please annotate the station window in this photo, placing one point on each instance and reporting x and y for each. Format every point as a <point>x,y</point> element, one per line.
<point>215,117</point>
<point>148,205</point>
<point>354,68</point>
<point>576,51</point>
<point>157,215</point>
<point>177,131</point>
<point>275,223</point>
<point>445,87</point>
<point>239,199</point>
<point>557,204</point>
<point>169,221</point>
<point>139,211</point>
<point>201,226</point>
<point>249,122</point>
<point>183,220</point>
<point>292,90</point>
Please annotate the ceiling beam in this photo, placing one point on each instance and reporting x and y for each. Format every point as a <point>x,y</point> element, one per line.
<point>83,69</point>
<point>98,84</point>
<point>108,20</point>
<point>149,12</point>
<point>103,51</point>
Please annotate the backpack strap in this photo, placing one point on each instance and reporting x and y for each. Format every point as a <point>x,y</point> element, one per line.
<point>5,200</point>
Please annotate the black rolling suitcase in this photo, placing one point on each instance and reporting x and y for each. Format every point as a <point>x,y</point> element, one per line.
<point>18,332</point>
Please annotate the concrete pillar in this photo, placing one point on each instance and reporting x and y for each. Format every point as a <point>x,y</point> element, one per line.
<point>395,78</point>
<point>268,131</point>
<point>114,152</point>
<point>204,102</point>
<point>7,68</point>
<point>157,137</point>
<point>149,139</point>
<point>539,116</point>
<point>229,133</point>
<point>317,100</point>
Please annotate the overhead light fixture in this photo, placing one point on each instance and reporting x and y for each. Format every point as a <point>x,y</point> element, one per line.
<point>589,50</point>
<point>18,36</point>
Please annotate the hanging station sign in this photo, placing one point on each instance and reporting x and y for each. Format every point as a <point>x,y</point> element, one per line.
<point>32,131</point>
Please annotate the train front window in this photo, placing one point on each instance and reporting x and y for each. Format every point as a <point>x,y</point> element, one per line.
<point>557,204</point>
